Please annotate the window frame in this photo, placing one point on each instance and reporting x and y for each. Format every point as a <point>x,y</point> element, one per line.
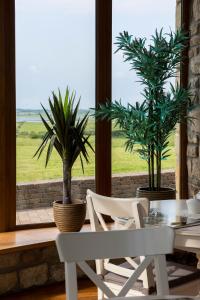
<point>103,73</point>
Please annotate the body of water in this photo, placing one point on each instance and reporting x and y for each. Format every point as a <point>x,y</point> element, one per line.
<point>31,119</point>
<point>34,115</point>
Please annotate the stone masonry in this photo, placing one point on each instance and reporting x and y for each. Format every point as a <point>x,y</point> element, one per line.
<point>30,268</point>
<point>42,194</point>
<point>193,149</point>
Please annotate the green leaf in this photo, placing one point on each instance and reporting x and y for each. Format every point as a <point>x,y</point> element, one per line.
<point>65,131</point>
<point>148,124</point>
<point>50,148</point>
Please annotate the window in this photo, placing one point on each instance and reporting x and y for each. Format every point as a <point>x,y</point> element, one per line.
<point>7,76</point>
<point>140,18</point>
<point>55,48</point>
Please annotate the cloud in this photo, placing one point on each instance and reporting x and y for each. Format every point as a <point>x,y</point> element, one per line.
<point>69,7</point>
<point>143,7</point>
<point>119,75</point>
<point>65,6</point>
<point>76,7</point>
<point>33,69</point>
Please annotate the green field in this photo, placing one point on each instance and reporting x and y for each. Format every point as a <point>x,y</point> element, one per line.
<point>30,169</point>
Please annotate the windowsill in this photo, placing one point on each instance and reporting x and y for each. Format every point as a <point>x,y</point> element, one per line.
<point>29,239</point>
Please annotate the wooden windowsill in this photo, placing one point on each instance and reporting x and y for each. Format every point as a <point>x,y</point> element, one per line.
<point>29,239</point>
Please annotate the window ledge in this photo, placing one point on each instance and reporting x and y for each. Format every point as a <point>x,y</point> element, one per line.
<point>29,239</point>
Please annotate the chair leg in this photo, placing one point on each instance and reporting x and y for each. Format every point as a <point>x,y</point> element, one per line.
<point>148,278</point>
<point>100,271</point>
<point>100,295</point>
<point>161,275</point>
<point>71,281</point>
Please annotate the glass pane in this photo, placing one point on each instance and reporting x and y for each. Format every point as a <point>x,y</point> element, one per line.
<point>55,42</point>
<point>140,18</point>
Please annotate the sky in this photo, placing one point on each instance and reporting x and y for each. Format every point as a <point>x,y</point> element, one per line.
<point>55,47</point>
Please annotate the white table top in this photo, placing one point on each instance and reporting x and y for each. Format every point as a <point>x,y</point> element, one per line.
<point>167,297</point>
<point>186,237</point>
<point>173,212</point>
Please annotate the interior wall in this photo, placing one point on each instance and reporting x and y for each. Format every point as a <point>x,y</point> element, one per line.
<point>193,128</point>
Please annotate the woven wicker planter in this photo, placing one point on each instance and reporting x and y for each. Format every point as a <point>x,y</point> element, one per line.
<point>163,194</point>
<point>69,217</point>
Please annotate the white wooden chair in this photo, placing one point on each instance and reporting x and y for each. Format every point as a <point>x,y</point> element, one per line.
<point>152,244</point>
<point>134,209</point>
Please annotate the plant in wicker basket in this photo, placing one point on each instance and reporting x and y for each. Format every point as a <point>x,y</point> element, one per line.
<point>148,123</point>
<point>66,133</point>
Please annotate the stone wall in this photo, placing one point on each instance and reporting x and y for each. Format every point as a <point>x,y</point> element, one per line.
<point>193,149</point>
<point>28,268</point>
<point>42,194</point>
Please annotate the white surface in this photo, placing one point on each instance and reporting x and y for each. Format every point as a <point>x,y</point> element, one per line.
<point>115,244</point>
<point>193,206</point>
<point>79,247</point>
<point>118,207</point>
<point>134,210</point>
<point>194,216</point>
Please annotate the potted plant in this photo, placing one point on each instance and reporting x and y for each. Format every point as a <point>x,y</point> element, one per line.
<point>148,124</point>
<point>65,132</point>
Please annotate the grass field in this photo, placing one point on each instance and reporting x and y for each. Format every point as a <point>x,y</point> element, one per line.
<point>30,169</point>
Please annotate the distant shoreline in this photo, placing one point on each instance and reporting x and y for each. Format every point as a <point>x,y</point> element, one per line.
<point>33,115</point>
<point>37,111</point>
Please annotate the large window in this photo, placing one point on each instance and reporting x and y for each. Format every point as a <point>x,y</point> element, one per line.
<point>55,48</point>
<point>140,18</point>
<point>42,55</point>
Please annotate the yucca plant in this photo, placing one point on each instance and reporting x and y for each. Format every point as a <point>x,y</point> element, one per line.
<point>65,132</point>
<point>148,124</point>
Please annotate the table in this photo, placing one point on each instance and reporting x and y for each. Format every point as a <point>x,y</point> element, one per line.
<point>167,297</point>
<point>186,238</point>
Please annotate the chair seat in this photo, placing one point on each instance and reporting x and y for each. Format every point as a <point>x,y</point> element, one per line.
<point>177,274</point>
<point>115,283</point>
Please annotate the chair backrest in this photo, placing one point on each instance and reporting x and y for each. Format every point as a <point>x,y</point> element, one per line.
<point>114,244</point>
<point>134,208</point>
<point>151,243</point>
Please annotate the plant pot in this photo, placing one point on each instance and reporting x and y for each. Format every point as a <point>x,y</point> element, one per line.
<point>69,217</point>
<point>163,194</point>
